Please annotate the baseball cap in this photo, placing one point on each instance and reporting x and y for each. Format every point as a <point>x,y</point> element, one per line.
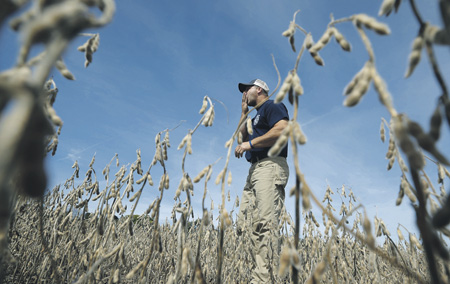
<point>255,82</point>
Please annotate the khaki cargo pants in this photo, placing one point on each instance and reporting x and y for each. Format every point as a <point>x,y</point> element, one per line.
<point>261,204</point>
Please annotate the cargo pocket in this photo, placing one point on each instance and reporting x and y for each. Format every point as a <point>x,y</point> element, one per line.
<point>281,172</point>
<point>281,175</point>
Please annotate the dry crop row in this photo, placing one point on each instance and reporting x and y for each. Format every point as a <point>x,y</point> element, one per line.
<point>105,247</point>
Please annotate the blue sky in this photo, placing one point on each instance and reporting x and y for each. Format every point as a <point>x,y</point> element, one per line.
<point>158,59</point>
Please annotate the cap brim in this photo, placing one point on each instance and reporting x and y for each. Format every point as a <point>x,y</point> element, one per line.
<point>243,86</point>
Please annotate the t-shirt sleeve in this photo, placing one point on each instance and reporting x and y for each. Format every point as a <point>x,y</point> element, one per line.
<point>276,113</point>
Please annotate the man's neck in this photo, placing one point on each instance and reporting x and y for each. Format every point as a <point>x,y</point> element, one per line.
<point>260,101</point>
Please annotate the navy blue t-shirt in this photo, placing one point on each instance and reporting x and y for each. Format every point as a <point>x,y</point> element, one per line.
<point>267,116</point>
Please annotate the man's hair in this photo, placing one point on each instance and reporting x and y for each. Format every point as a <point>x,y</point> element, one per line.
<point>264,91</point>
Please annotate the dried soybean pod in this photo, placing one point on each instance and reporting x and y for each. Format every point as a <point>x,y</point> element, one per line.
<point>164,153</point>
<point>189,144</point>
<point>400,235</point>
<point>289,33</point>
<point>208,174</point>
<point>317,58</point>
<point>130,228</point>
<point>386,7</point>
<point>297,85</point>
<point>367,229</point>
<point>292,42</point>
<point>295,259</point>
<point>220,176</point>
<point>413,240</point>
<point>428,144</point>
<point>284,88</point>
<point>240,138</point>
<point>401,193</point>
<point>406,187</point>
<point>435,124</point>
<point>382,132</point>
<point>391,148</point>
<point>161,182</point>
<point>314,220</point>
<point>141,180</point>
<point>380,86</point>
<point>436,35</point>
<point>361,86</point>
<point>371,23</point>
<point>344,44</point>
<point>284,261</point>
<point>229,143</point>
<point>299,136</point>
<point>305,191</point>
<point>360,82</point>
<point>204,105</point>
<point>166,139</point>
<point>414,57</point>
<point>166,181</point>
<point>226,217</point>
<point>291,95</point>
<point>116,275</point>
<point>249,126</point>
<point>62,68</point>
<point>89,48</point>
<point>349,88</point>
<point>100,229</point>
<point>446,102</point>
<point>391,163</point>
<point>309,42</point>
<point>324,39</point>
<point>208,117</point>
<point>397,5</point>
<point>320,269</point>
<point>138,193</point>
<point>384,228</point>
<point>201,174</point>
<point>149,179</point>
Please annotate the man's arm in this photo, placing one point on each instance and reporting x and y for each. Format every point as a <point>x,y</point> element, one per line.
<point>243,129</point>
<point>266,140</point>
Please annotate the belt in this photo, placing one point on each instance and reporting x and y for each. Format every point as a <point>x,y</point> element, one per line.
<point>259,158</point>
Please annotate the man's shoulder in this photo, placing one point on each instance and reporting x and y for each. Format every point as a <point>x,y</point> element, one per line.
<point>270,104</point>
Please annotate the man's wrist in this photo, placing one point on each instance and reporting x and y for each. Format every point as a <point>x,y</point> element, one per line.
<point>251,145</point>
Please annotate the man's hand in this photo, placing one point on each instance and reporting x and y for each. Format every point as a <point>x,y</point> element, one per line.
<point>240,149</point>
<point>244,104</point>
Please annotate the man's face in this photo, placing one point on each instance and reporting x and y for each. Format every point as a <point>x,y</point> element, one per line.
<point>251,93</point>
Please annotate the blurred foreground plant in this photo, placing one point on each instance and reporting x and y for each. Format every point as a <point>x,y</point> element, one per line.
<point>404,133</point>
<point>27,117</point>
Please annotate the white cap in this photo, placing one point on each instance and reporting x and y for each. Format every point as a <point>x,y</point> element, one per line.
<point>256,82</point>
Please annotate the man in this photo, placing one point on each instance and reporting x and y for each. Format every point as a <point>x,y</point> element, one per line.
<point>267,176</point>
